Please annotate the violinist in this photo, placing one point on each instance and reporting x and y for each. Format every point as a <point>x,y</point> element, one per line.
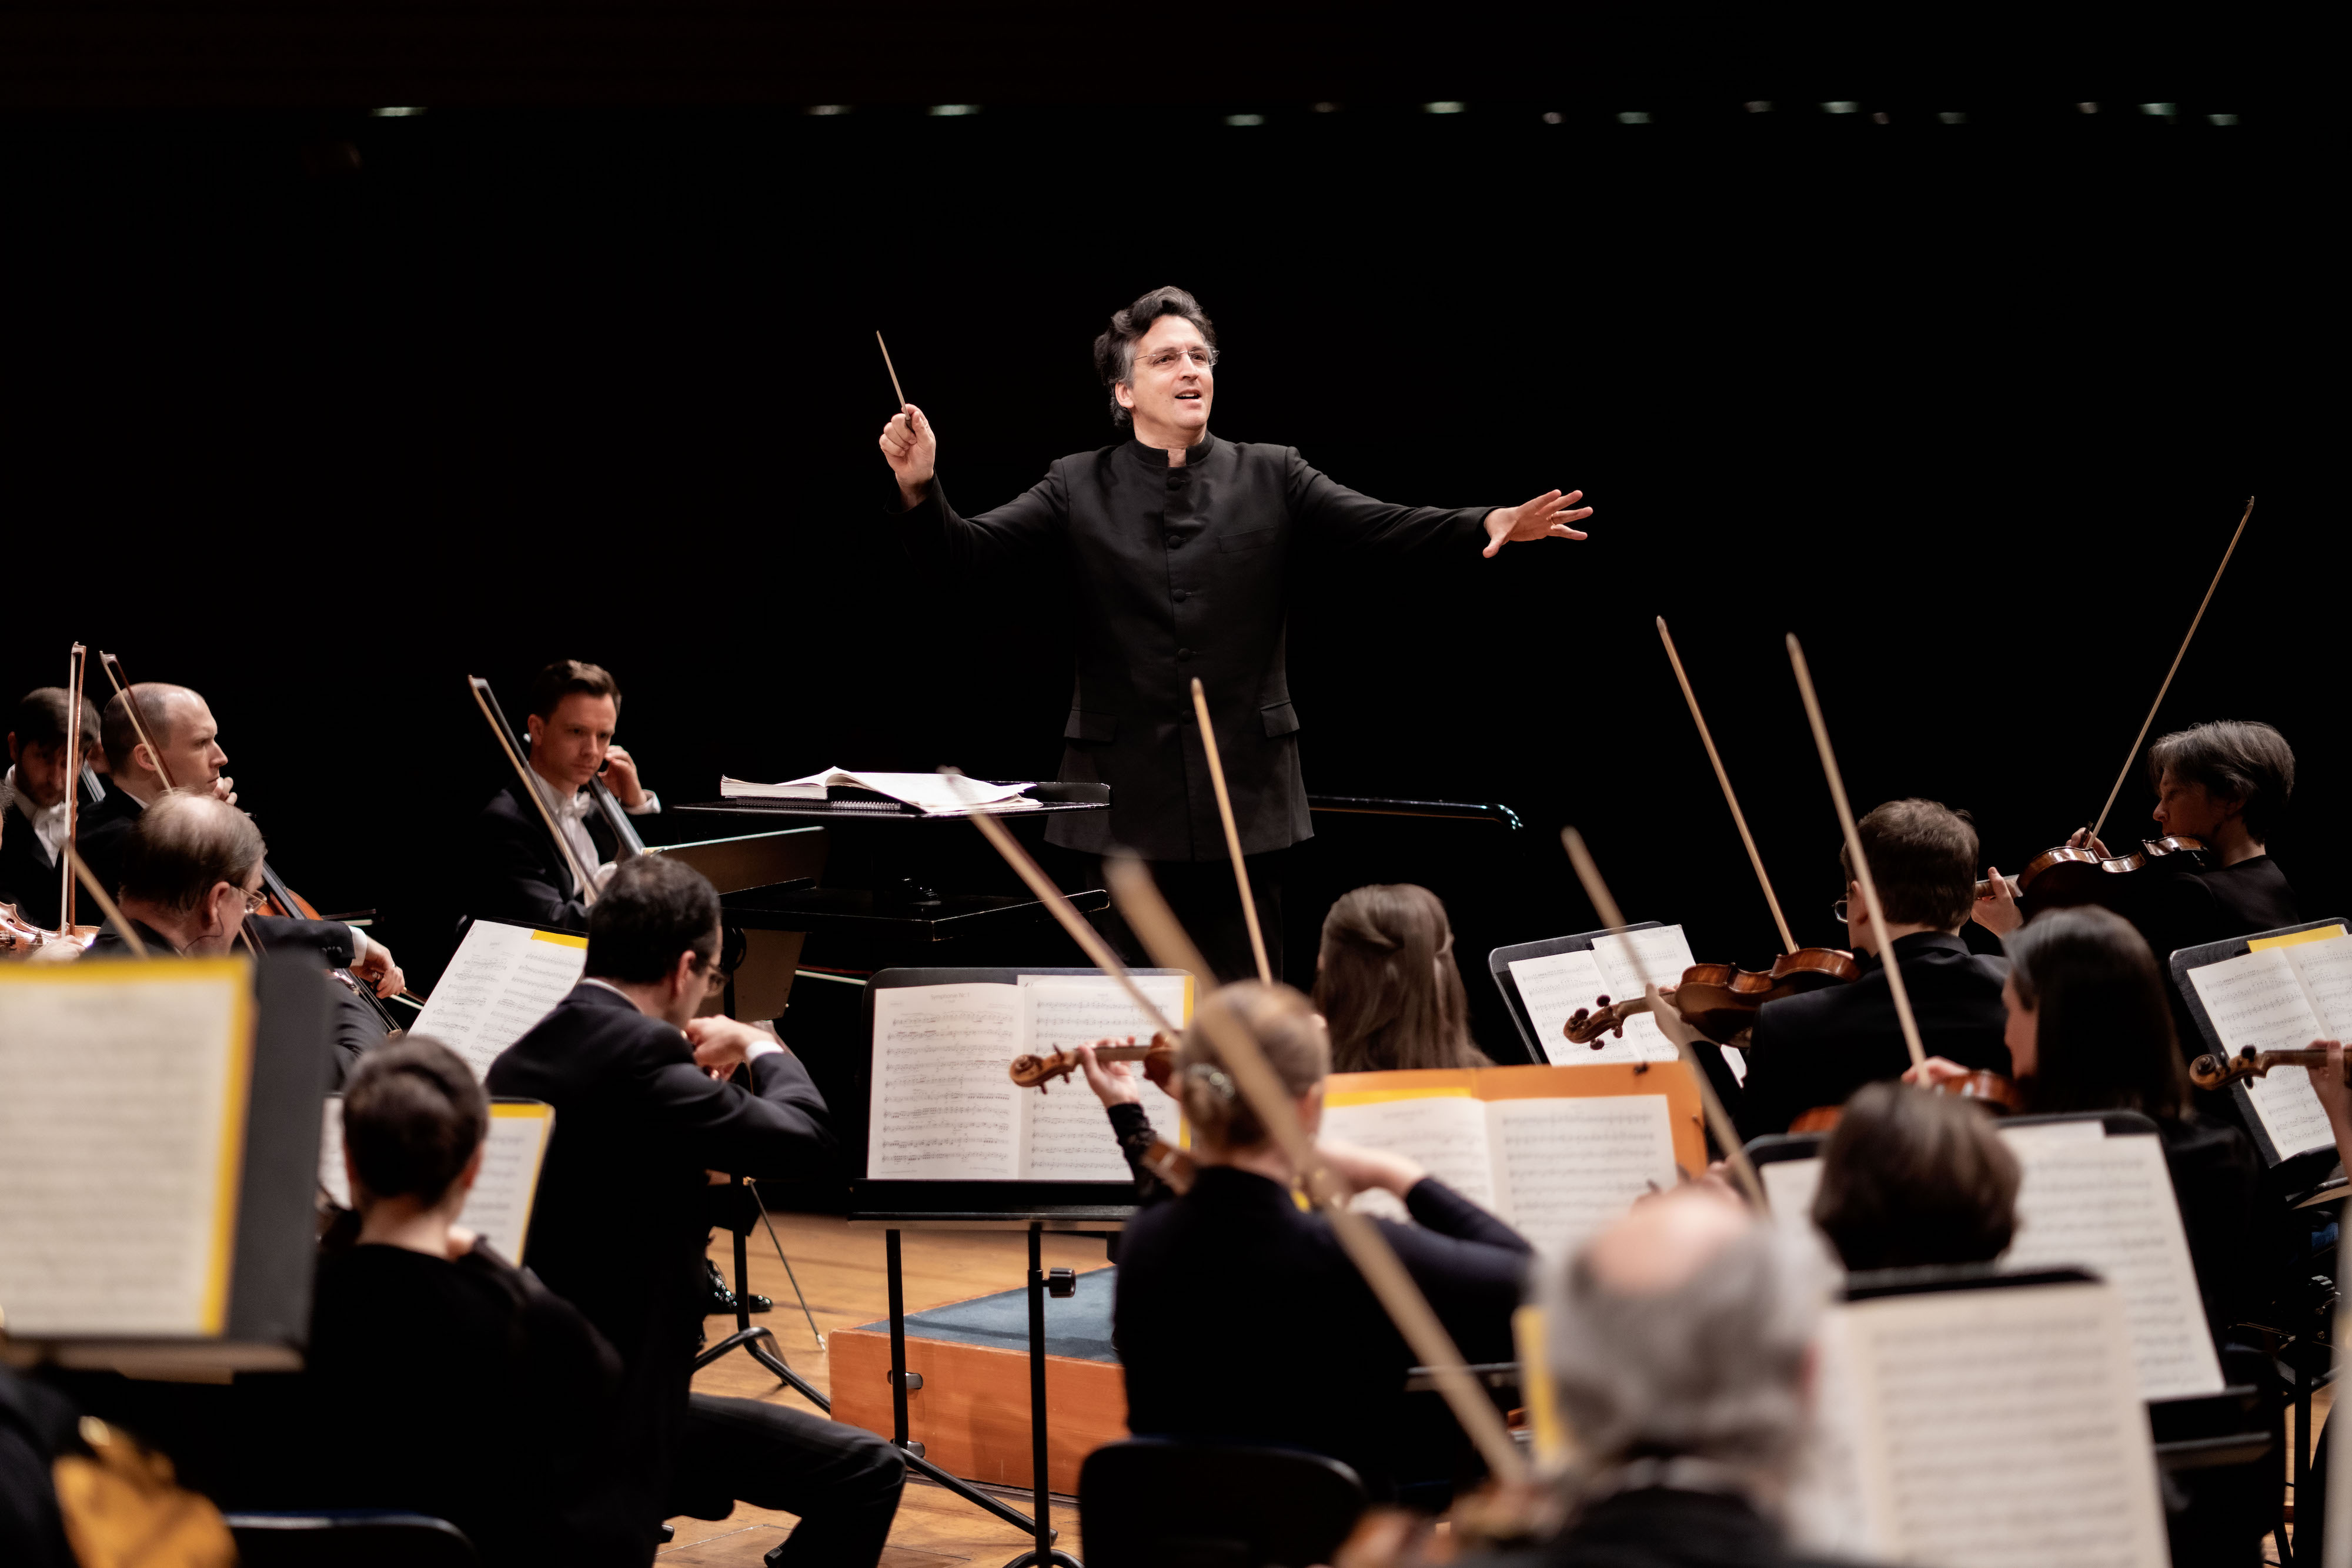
<point>33,801</point>
<point>1816,1049</point>
<point>2089,1029</point>
<point>1226,1293</point>
<point>520,873</point>
<point>1916,1181</point>
<point>1387,986</point>
<point>1183,546</point>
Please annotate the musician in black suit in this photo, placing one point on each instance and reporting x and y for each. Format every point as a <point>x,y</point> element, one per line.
<point>181,726</point>
<point>33,800</point>
<point>519,872</point>
<point>1181,543</point>
<point>645,1107</point>
<point>1816,1049</point>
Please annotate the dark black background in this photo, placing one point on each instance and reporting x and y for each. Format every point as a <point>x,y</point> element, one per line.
<point>319,412</point>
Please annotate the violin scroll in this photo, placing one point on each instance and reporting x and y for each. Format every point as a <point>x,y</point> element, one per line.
<point>2214,1071</point>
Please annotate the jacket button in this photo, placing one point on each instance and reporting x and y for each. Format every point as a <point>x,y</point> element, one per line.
<point>1182,595</point>
<point>1174,542</point>
<point>1183,653</point>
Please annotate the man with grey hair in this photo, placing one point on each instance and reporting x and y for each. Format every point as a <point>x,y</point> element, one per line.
<point>1681,1344</point>
<point>1180,544</point>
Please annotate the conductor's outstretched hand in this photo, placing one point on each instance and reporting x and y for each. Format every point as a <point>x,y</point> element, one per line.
<point>1545,518</point>
<point>913,452</point>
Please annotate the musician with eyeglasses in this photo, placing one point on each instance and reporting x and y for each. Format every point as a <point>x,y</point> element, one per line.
<point>1180,544</point>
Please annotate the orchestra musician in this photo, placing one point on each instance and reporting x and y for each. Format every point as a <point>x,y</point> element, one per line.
<point>1914,1181</point>
<point>1203,1356</point>
<point>516,873</point>
<point>1816,1049</point>
<point>33,801</point>
<point>444,1379</point>
<point>1681,1344</point>
<point>190,883</point>
<point>182,724</point>
<point>1387,986</point>
<point>1181,543</point>
<point>2089,1028</point>
<point>645,1106</point>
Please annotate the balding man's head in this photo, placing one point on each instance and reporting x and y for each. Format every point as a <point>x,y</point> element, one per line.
<point>1685,1330</point>
<point>177,721</point>
<point>183,847</point>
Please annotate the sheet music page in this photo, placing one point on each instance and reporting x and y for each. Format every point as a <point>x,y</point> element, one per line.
<point>1065,1134</point>
<point>2325,970</point>
<point>2106,1204</point>
<point>1827,1516</point>
<point>1665,955</point>
<point>122,1108</point>
<point>943,1107</point>
<point>1789,1186</point>
<point>2257,1000</point>
<point>1445,1133</point>
<point>2003,1427</point>
<point>498,1208</point>
<point>500,982</point>
<point>1567,1168</point>
<point>1552,988</point>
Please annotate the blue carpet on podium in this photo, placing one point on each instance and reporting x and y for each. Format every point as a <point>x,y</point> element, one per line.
<point>1077,1326</point>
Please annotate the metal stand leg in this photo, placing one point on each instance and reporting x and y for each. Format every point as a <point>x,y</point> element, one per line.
<point>756,1340</point>
<point>1042,1553</point>
<point>901,1383</point>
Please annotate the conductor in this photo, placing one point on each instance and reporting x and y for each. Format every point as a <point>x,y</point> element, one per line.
<point>1180,543</point>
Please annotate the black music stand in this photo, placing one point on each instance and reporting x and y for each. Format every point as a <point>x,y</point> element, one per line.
<point>2189,958</point>
<point>1079,1207</point>
<point>1499,966</point>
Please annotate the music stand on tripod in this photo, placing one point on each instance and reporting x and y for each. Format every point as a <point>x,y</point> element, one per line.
<point>736,1208</point>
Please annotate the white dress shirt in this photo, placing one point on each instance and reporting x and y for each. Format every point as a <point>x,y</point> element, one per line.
<point>49,821</point>
<point>571,814</point>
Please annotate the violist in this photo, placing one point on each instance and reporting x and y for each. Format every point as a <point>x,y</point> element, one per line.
<point>1816,1049</point>
<point>1387,986</point>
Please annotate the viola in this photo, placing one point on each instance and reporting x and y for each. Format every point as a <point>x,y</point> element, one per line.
<point>2212,1071</point>
<point>1997,1093</point>
<point>1159,1061</point>
<point>1719,1000</point>
<point>2069,875</point>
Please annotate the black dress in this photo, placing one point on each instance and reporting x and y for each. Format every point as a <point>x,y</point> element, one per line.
<point>466,1391</point>
<point>1238,1317</point>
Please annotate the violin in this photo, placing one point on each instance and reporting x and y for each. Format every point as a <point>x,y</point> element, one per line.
<point>2068,875</point>
<point>1719,1000</point>
<point>1997,1093</point>
<point>1159,1061</point>
<point>2212,1071</point>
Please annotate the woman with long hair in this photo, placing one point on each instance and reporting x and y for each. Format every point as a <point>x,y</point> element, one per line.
<point>1386,981</point>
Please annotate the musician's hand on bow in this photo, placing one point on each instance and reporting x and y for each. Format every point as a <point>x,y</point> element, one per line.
<point>1545,518</point>
<point>721,1044</point>
<point>912,451</point>
<point>2082,838</point>
<point>1997,911</point>
<point>376,966</point>
<point>621,777</point>
<point>1364,1169</point>
<point>1936,1069</point>
<point>1112,1081</point>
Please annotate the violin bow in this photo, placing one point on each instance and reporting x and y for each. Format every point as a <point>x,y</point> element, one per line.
<point>1233,833</point>
<point>114,673</point>
<point>1149,916</point>
<point>1717,1119</point>
<point>76,671</point>
<point>80,868</point>
<point>1861,861</point>
<point>1739,819</point>
<point>2132,755</point>
<point>497,719</point>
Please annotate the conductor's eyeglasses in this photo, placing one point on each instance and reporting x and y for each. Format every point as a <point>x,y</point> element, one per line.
<point>1202,357</point>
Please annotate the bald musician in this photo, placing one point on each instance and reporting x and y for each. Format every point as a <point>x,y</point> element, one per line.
<point>180,724</point>
<point>33,800</point>
<point>1182,544</point>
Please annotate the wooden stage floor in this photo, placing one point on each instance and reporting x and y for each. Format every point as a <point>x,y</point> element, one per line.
<point>840,1270</point>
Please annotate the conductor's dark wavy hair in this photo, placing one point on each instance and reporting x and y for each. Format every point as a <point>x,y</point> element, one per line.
<point>2103,1037</point>
<point>1115,350</point>
<point>1387,983</point>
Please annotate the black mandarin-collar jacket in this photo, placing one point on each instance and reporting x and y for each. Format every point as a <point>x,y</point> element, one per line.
<point>1182,573</point>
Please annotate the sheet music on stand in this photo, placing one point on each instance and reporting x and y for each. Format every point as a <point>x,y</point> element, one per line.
<point>505,977</point>
<point>1543,983</point>
<point>158,1129</point>
<point>1972,1419</point>
<point>2274,990</point>
<point>498,1208</point>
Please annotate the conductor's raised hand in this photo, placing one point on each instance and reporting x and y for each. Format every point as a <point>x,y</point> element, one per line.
<point>1545,518</point>
<point>912,449</point>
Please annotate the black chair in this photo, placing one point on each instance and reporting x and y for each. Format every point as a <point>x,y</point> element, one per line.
<point>1155,1502</point>
<point>349,1538</point>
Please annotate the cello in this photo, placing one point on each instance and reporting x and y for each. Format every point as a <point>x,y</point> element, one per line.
<point>626,840</point>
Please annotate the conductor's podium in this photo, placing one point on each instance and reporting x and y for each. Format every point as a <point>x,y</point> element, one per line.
<point>970,1411</point>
